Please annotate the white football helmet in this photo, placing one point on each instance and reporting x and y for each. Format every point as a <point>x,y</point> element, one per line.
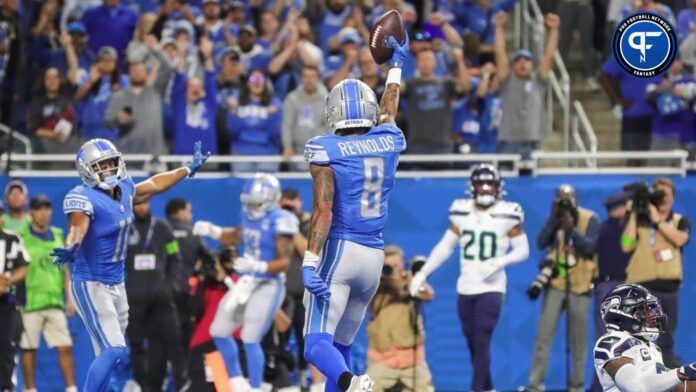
<point>260,195</point>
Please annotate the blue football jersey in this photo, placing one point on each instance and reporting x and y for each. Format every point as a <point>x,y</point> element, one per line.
<point>259,235</point>
<point>364,169</point>
<point>103,251</point>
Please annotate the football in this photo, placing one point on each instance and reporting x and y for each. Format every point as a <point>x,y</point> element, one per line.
<point>389,24</point>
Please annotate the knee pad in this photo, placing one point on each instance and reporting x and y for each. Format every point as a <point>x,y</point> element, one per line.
<point>313,343</point>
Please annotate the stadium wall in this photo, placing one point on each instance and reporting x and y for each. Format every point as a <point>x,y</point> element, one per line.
<point>417,219</point>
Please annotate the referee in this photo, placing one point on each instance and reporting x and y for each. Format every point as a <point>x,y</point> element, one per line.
<point>152,265</point>
<point>13,269</point>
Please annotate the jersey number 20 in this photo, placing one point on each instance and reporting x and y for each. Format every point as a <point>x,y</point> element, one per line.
<point>371,197</point>
<point>487,245</point>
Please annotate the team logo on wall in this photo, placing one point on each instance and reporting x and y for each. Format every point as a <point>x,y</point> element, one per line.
<point>645,44</point>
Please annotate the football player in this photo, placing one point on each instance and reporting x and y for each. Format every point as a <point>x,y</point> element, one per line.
<point>100,213</point>
<point>267,232</point>
<point>485,227</point>
<point>625,358</point>
<point>353,172</point>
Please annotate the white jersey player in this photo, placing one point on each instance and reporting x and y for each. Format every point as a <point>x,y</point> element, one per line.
<point>484,227</point>
<point>625,358</point>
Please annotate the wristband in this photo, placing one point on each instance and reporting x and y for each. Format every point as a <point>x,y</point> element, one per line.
<point>188,169</point>
<point>627,242</point>
<point>394,76</point>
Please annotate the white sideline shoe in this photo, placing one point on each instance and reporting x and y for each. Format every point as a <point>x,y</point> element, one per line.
<point>361,384</point>
<point>240,384</point>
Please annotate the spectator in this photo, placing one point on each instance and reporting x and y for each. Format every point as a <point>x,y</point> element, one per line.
<point>655,240</point>
<point>331,22</point>
<point>221,33</point>
<point>194,102</point>
<point>17,199</point>
<point>51,116</point>
<point>303,115</point>
<point>611,261</point>
<point>428,97</point>
<point>396,336</point>
<point>45,311</point>
<point>270,35</point>
<point>251,53</point>
<point>229,82</point>
<point>370,73</point>
<point>466,128</point>
<point>78,44</point>
<point>110,24</point>
<point>286,57</point>
<point>477,18</point>
<point>137,111</point>
<point>95,94</point>
<point>674,117</point>
<point>73,10</point>
<point>236,15</point>
<point>13,272</point>
<point>43,42</point>
<point>579,15</point>
<point>627,95</point>
<point>579,227</point>
<point>523,91</point>
<point>686,21</point>
<point>423,40</point>
<point>663,9</point>
<point>292,202</point>
<point>192,250</point>
<point>139,49</point>
<point>308,51</point>
<point>344,65</point>
<point>12,48</point>
<point>152,265</point>
<point>490,109</point>
<point>254,123</point>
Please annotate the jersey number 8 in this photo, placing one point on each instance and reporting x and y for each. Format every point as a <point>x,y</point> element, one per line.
<point>371,197</point>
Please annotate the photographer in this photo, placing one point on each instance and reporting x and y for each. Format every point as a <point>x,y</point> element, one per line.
<point>396,351</point>
<point>570,235</point>
<point>655,236</point>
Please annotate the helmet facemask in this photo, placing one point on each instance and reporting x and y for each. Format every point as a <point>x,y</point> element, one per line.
<point>109,172</point>
<point>485,192</point>
<point>651,318</point>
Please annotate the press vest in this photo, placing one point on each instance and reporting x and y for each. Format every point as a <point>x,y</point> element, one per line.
<point>644,265</point>
<point>44,280</point>
<point>581,275</point>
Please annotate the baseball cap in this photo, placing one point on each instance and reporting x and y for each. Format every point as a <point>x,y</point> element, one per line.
<point>522,53</point>
<point>16,184</point>
<point>76,28</point>
<point>349,34</point>
<point>616,199</point>
<point>39,201</point>
<point>248,29</point>
<point>107,51</point>
<point>236,4</point>
<point>228,52</point>
<point>204,2</point>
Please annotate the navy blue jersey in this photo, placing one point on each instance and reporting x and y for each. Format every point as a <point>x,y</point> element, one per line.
<point>364,168</point>
<point>259,235</point>
<point>103,251</point>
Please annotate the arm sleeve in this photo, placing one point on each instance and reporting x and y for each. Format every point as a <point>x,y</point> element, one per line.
<point>630,379</point>
<point>441,252</point>
<point>519,250</point>
<point>588,242</point>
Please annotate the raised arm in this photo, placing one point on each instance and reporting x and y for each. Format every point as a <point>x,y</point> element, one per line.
<point>163,181</point>
<point>546,63</point>
<point>390,99</point>
<point>501,59</point>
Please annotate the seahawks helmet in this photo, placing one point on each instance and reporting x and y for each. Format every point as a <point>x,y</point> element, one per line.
<point>100,164</point>
<point>485,184</point>
<point>260,195</point>
<point>633,309</point>
<point>351,104</point>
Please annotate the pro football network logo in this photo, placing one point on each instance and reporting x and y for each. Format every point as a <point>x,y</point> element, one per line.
<point>645,44</point>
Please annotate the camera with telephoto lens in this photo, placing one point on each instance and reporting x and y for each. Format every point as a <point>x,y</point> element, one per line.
<point>547,271</point>
<point>642,196</point>
<point>387,271</point>
<point>566,209</point>
<point>207,270</point>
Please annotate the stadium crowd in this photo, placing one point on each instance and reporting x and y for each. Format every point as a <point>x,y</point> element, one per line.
<point>249,78</point>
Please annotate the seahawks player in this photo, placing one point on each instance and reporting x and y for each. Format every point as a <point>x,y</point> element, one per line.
<point>353,173</point>
<point>267,232</point>
<point>625,358</point>
<point>100,213</point>
<point>485,227</point>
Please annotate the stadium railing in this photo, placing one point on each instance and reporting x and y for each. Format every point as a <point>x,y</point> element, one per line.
<point>410,166</point>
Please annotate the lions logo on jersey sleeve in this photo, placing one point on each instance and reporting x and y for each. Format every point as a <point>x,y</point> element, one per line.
<point>77,200</point>
<point>287,223</point>
<point>316,151</point>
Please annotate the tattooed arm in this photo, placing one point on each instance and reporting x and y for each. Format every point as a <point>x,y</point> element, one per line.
<point>284,250</point>
<point>389,104</point>
<point>322,215</point>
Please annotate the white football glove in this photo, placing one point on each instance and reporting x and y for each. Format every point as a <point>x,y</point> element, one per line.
<point>416,283</point>
<point>490,267</point>
<point>249,265</point>
<point>207,229</point>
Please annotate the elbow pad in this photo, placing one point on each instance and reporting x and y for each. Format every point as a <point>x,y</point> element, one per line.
<point>630,379</point>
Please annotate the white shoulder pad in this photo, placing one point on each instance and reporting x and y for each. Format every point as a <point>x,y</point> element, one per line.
<point>508,210</point>
<point>461,207</point>
<point>287,223</point>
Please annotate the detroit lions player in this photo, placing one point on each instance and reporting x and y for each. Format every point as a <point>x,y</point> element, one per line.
<point>267,232</point>
<point>485,227</point>
<point>625,358</point>
<point>353,173</point>
<point>100,214</point>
